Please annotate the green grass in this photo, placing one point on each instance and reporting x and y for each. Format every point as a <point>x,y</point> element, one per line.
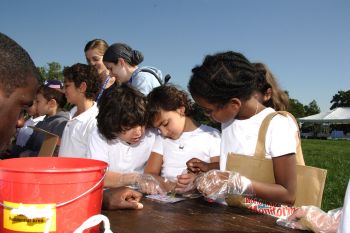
<point>333,155</point>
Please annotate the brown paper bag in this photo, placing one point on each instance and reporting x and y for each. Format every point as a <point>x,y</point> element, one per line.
<point>310,180</point>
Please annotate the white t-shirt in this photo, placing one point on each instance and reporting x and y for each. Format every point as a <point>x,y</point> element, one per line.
<point>76,134</point>
<point>202,143</point>
<point>240,136</point>
<point>121,156</point>
<point>344,226</point>
<point>25,132</point>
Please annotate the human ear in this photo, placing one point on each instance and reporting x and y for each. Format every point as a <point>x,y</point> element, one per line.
<point>52,103</point>
<point>268,94</point>
<point>83,87</point>
<point>181,110</point>
<point>235,104</point>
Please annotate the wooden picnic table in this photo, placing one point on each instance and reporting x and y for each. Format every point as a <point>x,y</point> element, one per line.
<point>191,215</point>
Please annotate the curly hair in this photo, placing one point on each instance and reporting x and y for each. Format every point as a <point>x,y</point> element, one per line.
<point>51,93</point>
<point>167,98</point>
<point>16,66</point>
<point>223,76</point>
<point>79,73</point>
<point>120,107</point>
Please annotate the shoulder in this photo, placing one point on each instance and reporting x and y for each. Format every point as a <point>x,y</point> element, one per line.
<point>209,130</point>
<point>283,121</point>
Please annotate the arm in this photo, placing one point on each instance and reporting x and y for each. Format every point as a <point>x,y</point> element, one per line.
<point>217,184</point>
<point>284,190</point>
<point>117,179</point>
<point>154,164</point>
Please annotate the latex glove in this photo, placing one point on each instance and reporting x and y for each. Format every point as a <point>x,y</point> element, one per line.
<point>217,185</point>
<point>147,183</point>
<point>185,182</point>
<point>313,218</point>
<point>121,198</point>
<point>196,165</point>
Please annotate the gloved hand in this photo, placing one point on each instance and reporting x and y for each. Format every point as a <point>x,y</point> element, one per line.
<point>217,185</point>
<point>145,183</point>
<point>313,218</point>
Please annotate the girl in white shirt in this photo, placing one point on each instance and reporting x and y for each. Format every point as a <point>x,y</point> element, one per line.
<point>121,139</point>
<point>182,137</point>
<point>82,83</point>
<point>224,86</point>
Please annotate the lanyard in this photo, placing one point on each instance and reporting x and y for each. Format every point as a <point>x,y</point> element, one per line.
<point>103,88</point>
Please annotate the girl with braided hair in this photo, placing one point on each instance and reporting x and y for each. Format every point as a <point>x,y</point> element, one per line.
<point>225,87</point>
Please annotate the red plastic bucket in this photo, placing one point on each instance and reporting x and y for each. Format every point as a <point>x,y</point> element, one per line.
<point>70,188</point>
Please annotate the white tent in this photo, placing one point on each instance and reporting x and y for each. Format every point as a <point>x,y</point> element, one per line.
<point>335,116</point>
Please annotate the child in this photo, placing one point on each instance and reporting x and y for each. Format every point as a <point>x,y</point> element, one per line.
<point>121,139</point>
<point>94,51</point>
<point>50,101</point>
<point>267,93</point>
<point>82,84</point>
<point>170,111</point>
<point>122,61</point>
<point>25,132</point>
<point>224,86</point>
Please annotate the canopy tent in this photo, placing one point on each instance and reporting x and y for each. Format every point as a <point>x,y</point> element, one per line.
<point>339,115</point>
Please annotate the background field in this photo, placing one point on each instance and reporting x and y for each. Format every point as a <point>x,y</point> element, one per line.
<point>333,155</point>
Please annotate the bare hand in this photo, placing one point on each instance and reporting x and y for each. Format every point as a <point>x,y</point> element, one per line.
<point>121,198</point>
<point>196,165</point>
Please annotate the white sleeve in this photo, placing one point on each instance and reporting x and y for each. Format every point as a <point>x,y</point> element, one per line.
<point>158,144</point>
<point>98,147</point>
<point>215,144</point>
<point>281,137</point>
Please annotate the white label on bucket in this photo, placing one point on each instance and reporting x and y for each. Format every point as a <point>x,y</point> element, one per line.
<point>29,217</point>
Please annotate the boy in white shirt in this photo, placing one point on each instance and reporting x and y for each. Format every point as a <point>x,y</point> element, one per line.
<point>121,139</point>
<point>82,84</point>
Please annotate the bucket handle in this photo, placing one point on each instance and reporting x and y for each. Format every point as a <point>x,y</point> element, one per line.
<point>93,221</point>
<point>83,194</point>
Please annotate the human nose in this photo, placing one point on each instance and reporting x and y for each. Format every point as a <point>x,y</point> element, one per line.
<point>138,131</point>
<point>163,131</point>
<point>20,120</point>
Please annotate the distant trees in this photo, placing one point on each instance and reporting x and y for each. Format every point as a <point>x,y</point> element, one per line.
<point>312,108</point>
<point>341,99</point>
<point>299,110</point>
<point>53,70</point>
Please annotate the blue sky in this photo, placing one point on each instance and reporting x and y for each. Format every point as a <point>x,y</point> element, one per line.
<point>305,43</point>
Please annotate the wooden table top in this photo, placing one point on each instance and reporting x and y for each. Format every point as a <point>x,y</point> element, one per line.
<point>191,215</point>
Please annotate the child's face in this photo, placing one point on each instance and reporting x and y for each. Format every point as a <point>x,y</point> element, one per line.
<point>132,135</point>
<point>215,113</point>
<point>32,111</point>
<point>94,58</point>
<point>71,91</point>
<point>118,70</point>
<point>171,124</point>
<point>42,105</point>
